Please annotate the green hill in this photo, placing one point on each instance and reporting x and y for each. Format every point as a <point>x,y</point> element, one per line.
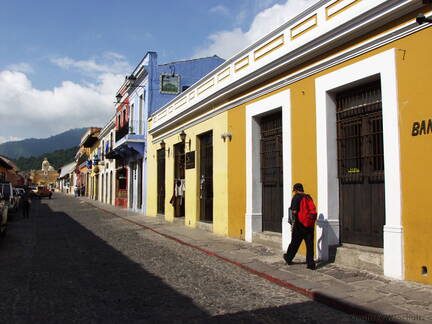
<point>57,159</point>
<point>35,147</point>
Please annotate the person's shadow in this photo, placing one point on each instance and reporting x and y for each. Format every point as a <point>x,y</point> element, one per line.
<point>322,242</point>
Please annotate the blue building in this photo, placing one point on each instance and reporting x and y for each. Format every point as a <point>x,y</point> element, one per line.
<point>147,88</point>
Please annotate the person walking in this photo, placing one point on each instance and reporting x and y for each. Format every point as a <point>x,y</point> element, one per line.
<point>304,214</point>
<point>26,201</point>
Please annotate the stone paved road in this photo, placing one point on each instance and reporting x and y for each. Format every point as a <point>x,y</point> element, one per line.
<point>72,263</point>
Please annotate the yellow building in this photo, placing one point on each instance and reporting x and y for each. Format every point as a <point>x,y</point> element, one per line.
<point>334,99</point>
<point>46,176</point>
<point>90,147</point>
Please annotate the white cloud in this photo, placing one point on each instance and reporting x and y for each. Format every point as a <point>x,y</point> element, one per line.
<point>229,42</point>
<point>20,67</point>
<point>220,10</point>
<point>263,4</point>
<point>4,139</point>
<point>26,111</point>
<point>109,62</point>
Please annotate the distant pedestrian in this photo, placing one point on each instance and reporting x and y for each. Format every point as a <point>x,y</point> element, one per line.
<point>304,214</point>
<point>26,202</point>
<point>83,190</point>
<point>76,190</point>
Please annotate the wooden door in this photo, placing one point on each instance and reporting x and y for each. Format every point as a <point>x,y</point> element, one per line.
<point>272,172</point>
<point>206,177</point>
<point>139,184</point>
<point>132,182</point>
<point>161,181</point>
<point>179,176</point>
<point>361,165</point>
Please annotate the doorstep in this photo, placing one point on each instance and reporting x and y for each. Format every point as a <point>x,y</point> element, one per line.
<point>270,239</point>
<point>359,257</point>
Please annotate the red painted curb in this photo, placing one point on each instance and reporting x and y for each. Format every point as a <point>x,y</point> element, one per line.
<point>346,307</point>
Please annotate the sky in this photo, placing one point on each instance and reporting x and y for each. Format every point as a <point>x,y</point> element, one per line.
<point>62,61</point>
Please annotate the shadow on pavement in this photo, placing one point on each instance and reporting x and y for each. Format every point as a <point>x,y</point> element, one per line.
<point>54,270</point>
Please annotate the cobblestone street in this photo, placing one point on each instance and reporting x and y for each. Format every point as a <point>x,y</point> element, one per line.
<point>71,262</point>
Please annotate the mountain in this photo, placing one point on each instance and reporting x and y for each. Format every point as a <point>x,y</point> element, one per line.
<point>34,147</point>
<point>57,159</point>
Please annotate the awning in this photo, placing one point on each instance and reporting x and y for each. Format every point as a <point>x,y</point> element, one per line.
<point>67,169</point>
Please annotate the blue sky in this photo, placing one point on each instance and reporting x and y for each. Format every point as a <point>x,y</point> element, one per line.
<point>55,53</point>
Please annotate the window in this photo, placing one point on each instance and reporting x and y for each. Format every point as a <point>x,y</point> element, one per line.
<point>140,113</point>
<point>169,83</point>
<point>131,119</point>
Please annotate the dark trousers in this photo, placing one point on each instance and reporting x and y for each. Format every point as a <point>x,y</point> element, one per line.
<point>299,234</point>
<point>25,210</point>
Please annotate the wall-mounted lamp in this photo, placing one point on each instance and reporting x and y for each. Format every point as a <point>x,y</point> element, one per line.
<point>132,78</point>
<point>182,136</point>
<point>224,136</point>
<point>421,18</point>
<point>118,98</point>
<point>162,145</point>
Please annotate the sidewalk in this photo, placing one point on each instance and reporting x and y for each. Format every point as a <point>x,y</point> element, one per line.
<point>374,298</point>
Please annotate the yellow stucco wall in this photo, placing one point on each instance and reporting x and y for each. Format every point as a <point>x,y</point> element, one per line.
<point>217,125</point>
<point>416,151</point>
<point>237,172</point>
<point>303,138</point>
<point>414,71</point>
<point>152,176</point>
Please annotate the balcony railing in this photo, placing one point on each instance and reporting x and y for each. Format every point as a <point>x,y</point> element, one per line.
<point>122,132</point>
<point>135,127</point>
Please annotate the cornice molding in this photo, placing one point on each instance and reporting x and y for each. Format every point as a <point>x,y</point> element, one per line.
<point>362,48</point>
<point>382,13</point>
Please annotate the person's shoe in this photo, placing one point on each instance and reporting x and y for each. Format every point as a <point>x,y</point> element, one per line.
<point>286,259</point>
<point>311,267</point>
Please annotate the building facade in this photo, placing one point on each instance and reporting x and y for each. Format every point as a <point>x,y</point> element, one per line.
<point>87,172</point>
<point>66,174</point>
<point>333,99</point>
<point>107,166</point>
<point>149,86</point>
<point>9,172</point>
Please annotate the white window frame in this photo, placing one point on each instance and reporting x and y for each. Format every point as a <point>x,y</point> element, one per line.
<point>253,219</point>
<point>382,66</point>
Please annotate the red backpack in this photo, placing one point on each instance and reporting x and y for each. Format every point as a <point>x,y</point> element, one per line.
<point>307,214</point>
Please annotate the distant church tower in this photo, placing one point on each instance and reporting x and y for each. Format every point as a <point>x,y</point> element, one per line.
<point>45,166</point>
<point>47,176</point>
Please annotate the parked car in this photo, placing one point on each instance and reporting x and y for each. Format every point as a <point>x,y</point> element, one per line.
<point>9,196</point>
<point>20,191</point>
<point>3,216</point>
<point>43,192</point>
